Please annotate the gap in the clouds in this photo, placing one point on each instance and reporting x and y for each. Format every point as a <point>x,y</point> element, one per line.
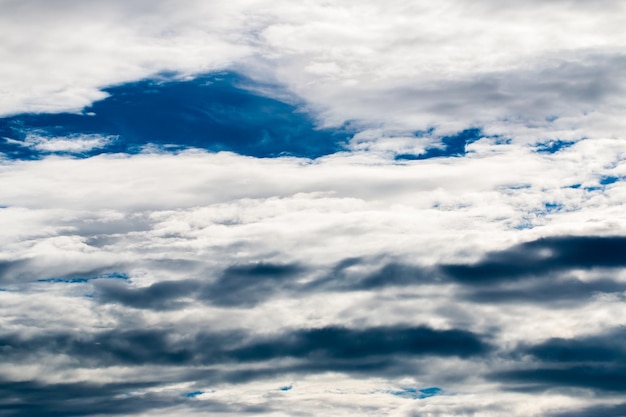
<point>217,112</point>
<point>608,180</point>
<point>603,182</point>
<point>193,394</point>
<point>82,280</point>
<point>451,146</point>
<point>553,146</point>
<point>548,208</point>
<point>416,394</point>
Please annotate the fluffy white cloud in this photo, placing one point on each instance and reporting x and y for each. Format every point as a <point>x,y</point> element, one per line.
<point>447,65</point>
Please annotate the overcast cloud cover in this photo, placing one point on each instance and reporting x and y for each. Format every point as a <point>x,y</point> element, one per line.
<point>312,208</point>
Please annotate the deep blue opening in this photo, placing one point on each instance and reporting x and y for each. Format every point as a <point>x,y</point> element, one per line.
<point>193,394</point>
<point>608,180</point>
<point>214,112</point>
<point>553,146</point>
<point>454,145</point>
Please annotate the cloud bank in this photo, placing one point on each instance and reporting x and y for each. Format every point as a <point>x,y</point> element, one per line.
<point>321,208</point>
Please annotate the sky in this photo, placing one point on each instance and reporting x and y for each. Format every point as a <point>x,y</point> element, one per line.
<point>313,208</point>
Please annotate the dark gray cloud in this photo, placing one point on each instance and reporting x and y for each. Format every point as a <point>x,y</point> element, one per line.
<point>237,286</point>
<point>530,262</point>
<point>615,410</point>
<point>172,347</point>
<point>532,272</point>
<point>129,347</point>
<point>596,362</point>
<point>248,285</point>
<point>381,351</point>
<point>600,378</point>
<point>348,344</point>
<point>8,268</point>
<point>608,347</point>
<point>32,398</point>
<point>27,398</point>
<point>540,258</point>
<point>28,270</point>
<point>392,274</point>
<point>164,295</point>
<point>554,292</point>
<point>540,272</point>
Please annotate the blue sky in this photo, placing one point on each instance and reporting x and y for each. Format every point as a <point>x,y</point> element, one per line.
<point>215,112</point>
<point>270,208</point>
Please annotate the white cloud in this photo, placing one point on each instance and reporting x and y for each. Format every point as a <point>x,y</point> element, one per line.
<point>59,56</point>
<point>71,144</point>
<point>401,65</point>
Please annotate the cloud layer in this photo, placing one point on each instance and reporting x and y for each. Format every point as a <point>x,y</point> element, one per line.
<point>321,208</point>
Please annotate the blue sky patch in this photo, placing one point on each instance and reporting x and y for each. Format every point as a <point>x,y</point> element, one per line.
<point>603,182</point>
<point>608,180</point>
<point>553,146</point>
<point>416,394</point>
<point>451,146</point>
<point>552,207</point>
<point>518,186</point>
<point>64,280</point>
<point>524,225</point>
<point>214,112</point>
<point>114,275</point>
<point>429,392</point>
<point>193,394</point>
<point>82,280</point>
<point>286,388</point>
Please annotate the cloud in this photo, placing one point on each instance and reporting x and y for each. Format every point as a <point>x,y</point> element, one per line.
<point>161,295</point>
<point>346,199</point>
<point>237,286</point>
<point>130,41</point>
<point>592,361</point>
<point>354,274</point>
<point>401,66</point>
<point>80,144</point>
<point>543,256</point>
<point>609,378</point>
<point>607,347</point>
<point>318,348</point>
<point>22,399</point>
<point>552,293</point>
<point>599,410</point>
<point>345,344</point>
<point>247,285</point>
